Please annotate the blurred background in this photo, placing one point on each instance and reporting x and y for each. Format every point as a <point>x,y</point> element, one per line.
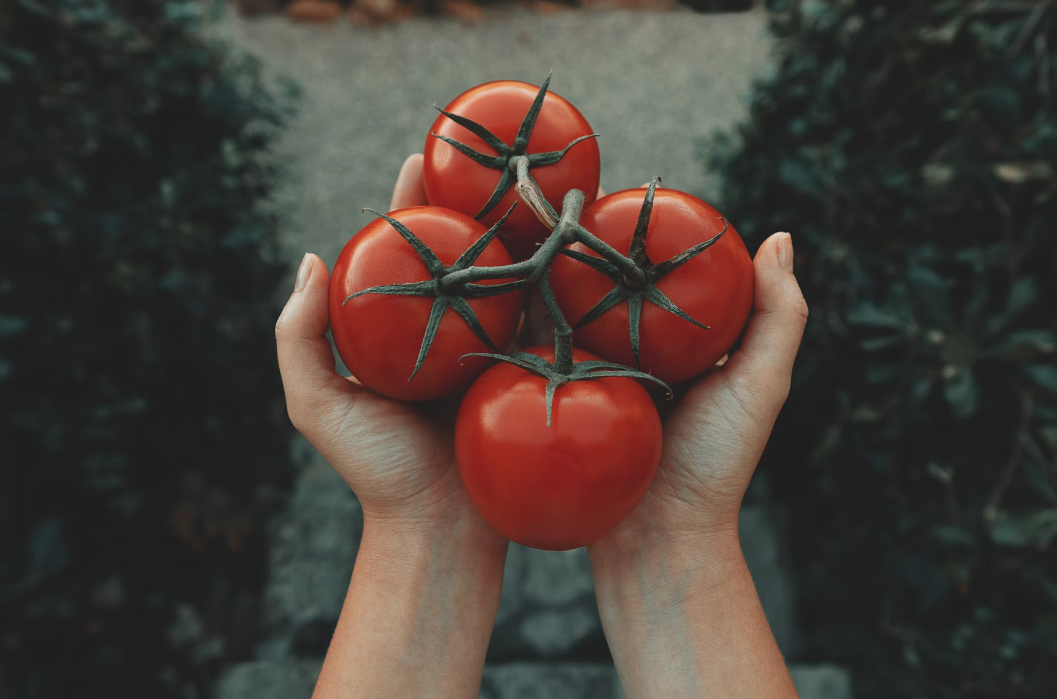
<point>165,163</point>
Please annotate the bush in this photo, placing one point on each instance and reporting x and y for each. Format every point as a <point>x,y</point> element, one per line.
<point>142,434</point>
<point>911,149</point>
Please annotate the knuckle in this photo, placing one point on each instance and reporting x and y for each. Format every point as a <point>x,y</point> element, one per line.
<point>782,390</point>
<point>295,414</point>
<point>800,307</point>
<point>280,328</point>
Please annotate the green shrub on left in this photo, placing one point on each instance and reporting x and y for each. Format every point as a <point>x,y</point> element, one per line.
<point>142,435</point>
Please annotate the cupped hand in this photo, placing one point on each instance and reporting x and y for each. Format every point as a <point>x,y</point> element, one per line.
<point>716,434</point>
<point>398,458</point>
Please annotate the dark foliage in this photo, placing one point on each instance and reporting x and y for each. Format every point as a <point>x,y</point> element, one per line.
<point>142,436</point>
<point>911,149</point>
<point>254,7</point>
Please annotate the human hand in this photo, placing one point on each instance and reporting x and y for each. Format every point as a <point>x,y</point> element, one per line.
<point>397,457</point>
<point>677,601</point>
<point>714,437</point>
<point>426,585</point>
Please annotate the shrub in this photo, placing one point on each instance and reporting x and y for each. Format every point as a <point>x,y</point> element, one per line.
<point>142,435</point>
<point>911,149</point>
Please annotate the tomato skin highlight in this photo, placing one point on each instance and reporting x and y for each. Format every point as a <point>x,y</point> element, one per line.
<point>378,336</point>
<point>715,288</point>
<point>567,485</point>
<point>454,181</point>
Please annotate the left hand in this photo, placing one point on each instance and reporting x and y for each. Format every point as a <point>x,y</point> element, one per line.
<point>398,458</point>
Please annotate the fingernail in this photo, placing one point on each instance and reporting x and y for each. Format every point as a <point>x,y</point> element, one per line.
<point>303,273</point>
<point>785,252</point>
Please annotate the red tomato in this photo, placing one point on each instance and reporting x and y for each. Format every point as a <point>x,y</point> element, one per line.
<point>379,336</point>
<point>714,288</point>
<point>563,486</point>
<point>455,181</point>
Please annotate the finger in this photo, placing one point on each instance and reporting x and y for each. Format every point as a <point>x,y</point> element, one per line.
<point>315,393</point>
<point>409,189</point>
<point>601,193</point>
<point>762,367</point>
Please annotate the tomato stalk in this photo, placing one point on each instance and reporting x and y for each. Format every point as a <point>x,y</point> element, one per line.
<point>563,332</point>
<point>534,267</point>
<point>530,193</point>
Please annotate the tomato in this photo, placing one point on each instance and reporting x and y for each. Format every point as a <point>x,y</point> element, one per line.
<point>715,288</point>
<point>380,336</point>
<point>562,486</point>
<point>456,181</point>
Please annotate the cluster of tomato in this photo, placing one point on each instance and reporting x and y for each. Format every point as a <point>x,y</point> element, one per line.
<point>554,446</point>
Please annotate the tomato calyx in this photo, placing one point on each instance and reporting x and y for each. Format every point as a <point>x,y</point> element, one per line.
<point>637,286</point>
<point>558,376</point>
<point>444,297</point>
<point>511,160</point>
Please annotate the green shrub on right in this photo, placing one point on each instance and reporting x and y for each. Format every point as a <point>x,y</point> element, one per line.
<point>911,149</point>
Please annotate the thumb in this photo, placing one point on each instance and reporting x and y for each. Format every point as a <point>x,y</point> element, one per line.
<point>410,190</point>
<point>763,366</point>
<point>314,391</point>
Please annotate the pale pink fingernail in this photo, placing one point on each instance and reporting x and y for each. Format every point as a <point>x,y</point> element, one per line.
<point>303,273</point>
<point>785,252</point>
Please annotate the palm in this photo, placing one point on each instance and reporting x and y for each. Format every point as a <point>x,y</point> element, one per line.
<point>712,443</point>
<point>396,455</point>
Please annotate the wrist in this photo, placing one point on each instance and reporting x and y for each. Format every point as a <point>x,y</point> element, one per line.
<point>458,541</point>
<point>683,619</point>
<point>636,541</point>
<point>419,610</point>
<point>454,524</point>
<point>625,562</point>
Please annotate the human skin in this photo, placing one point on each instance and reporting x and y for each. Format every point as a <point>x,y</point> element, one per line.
<point>678,606</point>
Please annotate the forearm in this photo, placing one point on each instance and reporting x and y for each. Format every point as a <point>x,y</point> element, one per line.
<point>683,620</point>
<point>417,616</point>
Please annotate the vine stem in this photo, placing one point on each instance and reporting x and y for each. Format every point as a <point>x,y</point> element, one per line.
<point>633,274</point>
<point>565,230</point>
<point>534,267</point>
<point>530,193</point>
<point>563,333</point>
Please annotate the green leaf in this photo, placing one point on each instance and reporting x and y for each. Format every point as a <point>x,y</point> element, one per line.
<point>960,392</point>
<point>882,373</point>
<point>1040,480</point>
<point>35,7</point>
<point>1001,105</point>
<point>1037,528</point>
<point>870,316</point>
<point>1038,340</point>
<point>954,536</point>
<point>876,344</point>
<point>11,326</point>
<point>17,55</point>
<point>1044,375</point>
<point>1022,294</point>
<point>931,291</point>
<point>800,178</point>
